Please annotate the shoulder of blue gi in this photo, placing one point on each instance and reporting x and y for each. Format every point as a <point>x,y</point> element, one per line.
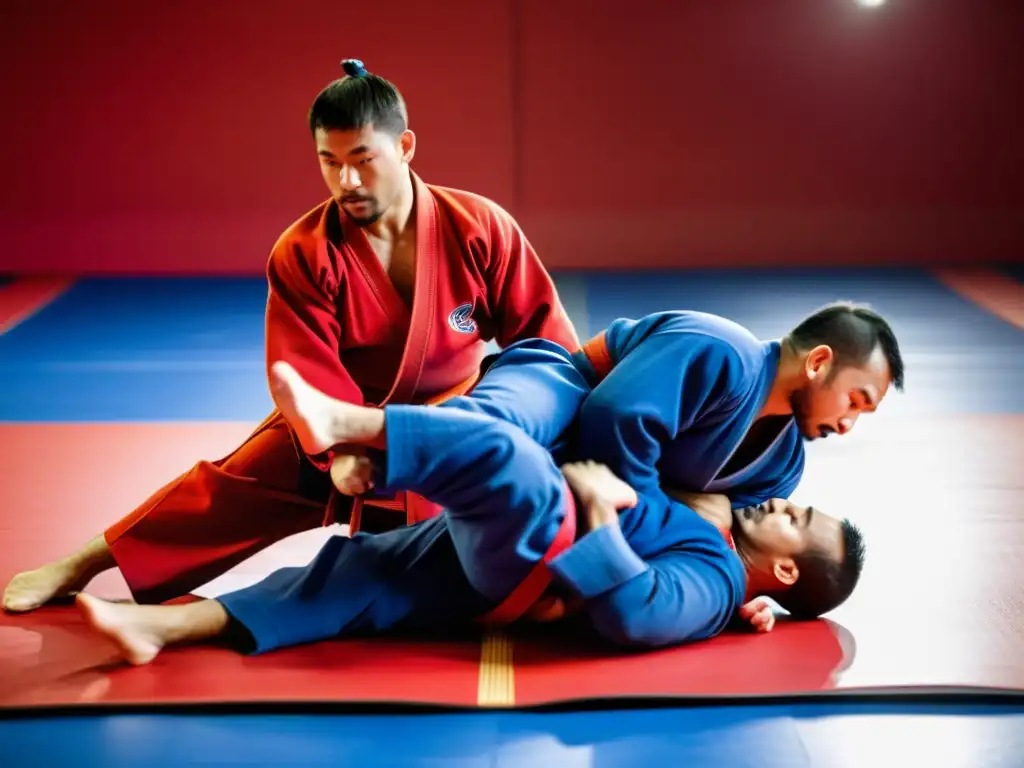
<point>626,336</point>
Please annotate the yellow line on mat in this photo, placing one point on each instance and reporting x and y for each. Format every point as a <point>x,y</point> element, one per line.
<point>497,686</point>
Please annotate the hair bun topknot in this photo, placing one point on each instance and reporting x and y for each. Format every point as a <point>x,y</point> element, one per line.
<point>354,68</point>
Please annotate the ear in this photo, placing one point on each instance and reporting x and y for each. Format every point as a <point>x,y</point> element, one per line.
<point>407,145</point>
<point>785,571</point>
<point>818,361</point>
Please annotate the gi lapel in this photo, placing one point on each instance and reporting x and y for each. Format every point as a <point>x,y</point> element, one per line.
<point>424,311</point>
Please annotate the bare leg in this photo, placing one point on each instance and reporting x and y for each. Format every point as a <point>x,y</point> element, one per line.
<point>142,631</point>
<point>319,420</point>
<point>32,589</point>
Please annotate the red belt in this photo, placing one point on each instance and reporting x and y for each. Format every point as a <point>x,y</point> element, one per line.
<point>537,581</point>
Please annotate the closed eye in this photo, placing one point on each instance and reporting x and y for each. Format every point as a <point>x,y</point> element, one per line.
<point>864,401</point>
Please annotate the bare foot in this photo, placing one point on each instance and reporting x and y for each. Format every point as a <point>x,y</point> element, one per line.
<point>62,578</point>
<point>33,589</point>
<point>320,421</point>
<point>122,623</point>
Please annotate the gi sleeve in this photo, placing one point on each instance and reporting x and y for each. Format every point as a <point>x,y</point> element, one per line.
<point>683,594</point>
<point>523,296</point>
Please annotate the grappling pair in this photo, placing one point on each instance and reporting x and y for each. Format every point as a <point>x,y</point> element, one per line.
<point>536,523</point>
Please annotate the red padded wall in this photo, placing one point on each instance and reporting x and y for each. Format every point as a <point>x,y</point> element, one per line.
<point>767,132</point>
<point>158,138</point>
<point>172,137</point>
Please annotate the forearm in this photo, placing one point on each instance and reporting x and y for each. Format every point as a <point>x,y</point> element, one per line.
<point>676,597</point>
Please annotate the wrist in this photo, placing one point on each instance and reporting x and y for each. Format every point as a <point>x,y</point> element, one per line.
<point>600,513</point>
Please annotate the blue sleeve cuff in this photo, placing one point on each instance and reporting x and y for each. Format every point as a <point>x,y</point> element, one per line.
<point>597,563</point>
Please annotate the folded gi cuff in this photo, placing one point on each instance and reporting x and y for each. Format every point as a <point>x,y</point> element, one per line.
<point>600,561</point>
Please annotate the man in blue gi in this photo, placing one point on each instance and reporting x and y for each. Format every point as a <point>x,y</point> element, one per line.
<point>697,402</point>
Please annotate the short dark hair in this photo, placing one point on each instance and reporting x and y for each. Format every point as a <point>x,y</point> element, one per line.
<point>854,331</point>
<point>825,583</point>
<point>353,103</point>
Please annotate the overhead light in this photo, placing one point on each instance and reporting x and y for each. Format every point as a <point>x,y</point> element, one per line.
<point>870,3</point>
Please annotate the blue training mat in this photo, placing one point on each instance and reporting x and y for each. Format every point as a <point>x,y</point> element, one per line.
<point>822,735</point>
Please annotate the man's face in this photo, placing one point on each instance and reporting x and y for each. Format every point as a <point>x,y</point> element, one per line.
<point>772,534</point>
<point>833,397</point>
<point>364,169</point>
